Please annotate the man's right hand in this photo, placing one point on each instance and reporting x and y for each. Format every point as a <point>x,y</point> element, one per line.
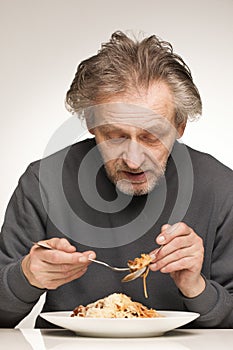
<point>49,269</point>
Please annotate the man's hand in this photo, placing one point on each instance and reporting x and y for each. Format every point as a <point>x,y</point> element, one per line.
<point>182,256</point>
<point>50,269</point>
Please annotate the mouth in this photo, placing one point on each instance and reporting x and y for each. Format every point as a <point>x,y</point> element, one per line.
<point>139,177</point>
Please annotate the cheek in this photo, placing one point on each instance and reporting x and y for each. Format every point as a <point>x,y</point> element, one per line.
<point>165,153</point>
<point>160,155</point>
<point>112,166</point>
<point>110,154</point>
<point>165,148</point>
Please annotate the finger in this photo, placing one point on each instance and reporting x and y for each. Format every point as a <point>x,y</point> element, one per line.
<point>186,263</point>
<point>72,276</point>
<point>166,249</point>
<point>60,244</point>
<point>60,257</point>
<point>154,253</point>
<point>165,227</point>
<point>81,263</point>
<point>51,256</point>
<point>170,232</point>
<point>58,270</point>
<point>85,256</point>
<point>174,256</point>
<point>53,282</point>
<point>45,272</point>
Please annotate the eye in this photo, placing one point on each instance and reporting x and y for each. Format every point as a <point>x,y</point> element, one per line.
<point>116,140</point>
<point>149,138</point>
<point>113,136</point>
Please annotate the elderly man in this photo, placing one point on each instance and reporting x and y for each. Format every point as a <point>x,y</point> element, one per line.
<point>128,190</point>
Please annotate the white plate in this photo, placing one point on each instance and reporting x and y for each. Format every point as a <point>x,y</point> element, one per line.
<point>121,327</point>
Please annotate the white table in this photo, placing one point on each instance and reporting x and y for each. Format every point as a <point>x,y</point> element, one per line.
<point>195,339</point>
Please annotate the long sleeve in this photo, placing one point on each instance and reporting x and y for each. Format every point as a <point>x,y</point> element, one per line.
<point>215,304</point>
<point>24,223</point>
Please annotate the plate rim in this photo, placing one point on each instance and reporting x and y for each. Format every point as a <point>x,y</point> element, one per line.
<point>167,312</point>
<point>85,326</point>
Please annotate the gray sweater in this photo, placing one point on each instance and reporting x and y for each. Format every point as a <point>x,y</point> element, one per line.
<point>69,195</point>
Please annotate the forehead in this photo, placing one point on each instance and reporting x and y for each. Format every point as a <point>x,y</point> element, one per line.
<point>145,109</point>
<point>123,115</point>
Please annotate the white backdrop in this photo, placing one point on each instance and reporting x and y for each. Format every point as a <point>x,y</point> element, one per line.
<point>42,42</point>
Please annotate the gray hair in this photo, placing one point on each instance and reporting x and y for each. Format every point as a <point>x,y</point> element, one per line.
<point>123,65</point>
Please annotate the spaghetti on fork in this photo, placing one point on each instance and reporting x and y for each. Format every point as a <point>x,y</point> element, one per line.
<point>136,266</point>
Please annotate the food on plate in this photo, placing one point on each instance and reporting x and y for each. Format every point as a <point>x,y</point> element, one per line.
<point>115,305</point>
<point>139,267</point>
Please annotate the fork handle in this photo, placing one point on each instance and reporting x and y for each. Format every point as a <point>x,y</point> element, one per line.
<point>99,262</point>
<point>110,267</point>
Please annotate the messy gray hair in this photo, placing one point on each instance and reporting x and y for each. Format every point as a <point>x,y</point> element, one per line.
<point>123,65</point>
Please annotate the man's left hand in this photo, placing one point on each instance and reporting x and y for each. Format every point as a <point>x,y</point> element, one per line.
<point>182,256</point>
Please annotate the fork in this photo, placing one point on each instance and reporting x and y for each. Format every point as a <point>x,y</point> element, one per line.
<point>47,246</point>
<point>133,275</point>
<point>109,266</point>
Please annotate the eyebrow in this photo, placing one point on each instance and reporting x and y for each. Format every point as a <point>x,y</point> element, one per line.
<point>109,127</point>
<point>153,130</point>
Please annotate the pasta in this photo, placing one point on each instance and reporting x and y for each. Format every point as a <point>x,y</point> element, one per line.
<point>116,305</point>
<point>138,264</point>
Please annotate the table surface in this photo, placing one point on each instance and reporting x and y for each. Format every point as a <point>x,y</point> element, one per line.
<point>59,339</point>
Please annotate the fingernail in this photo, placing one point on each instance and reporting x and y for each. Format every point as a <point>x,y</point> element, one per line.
<point>91,256</point>
<point>161,239</point>
<point>83,259</point>
<point>153,256</point>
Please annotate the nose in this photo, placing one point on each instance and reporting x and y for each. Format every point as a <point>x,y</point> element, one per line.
<point>133,155</point>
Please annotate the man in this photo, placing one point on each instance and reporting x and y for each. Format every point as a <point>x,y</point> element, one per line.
<point>127,191</point>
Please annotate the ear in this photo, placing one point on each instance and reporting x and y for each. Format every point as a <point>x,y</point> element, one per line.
<point>92,131</point>
<point>89,125</point>
<point>89,120</point>
<point>180,130</point>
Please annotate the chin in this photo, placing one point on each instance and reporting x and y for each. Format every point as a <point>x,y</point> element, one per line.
<point>127,188</point>
<point>136,189</point>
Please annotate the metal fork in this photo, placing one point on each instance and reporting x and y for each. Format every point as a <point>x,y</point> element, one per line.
<point>133,275</point>
<point>109,266</point>
<point>47,246</point>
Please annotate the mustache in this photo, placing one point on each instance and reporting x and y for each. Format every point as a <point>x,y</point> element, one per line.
<point>122,167</point>
<point>139,170</point>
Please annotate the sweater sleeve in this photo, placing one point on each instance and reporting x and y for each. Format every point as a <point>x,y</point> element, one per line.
<point>24,223</point>
<point>215,304</point>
